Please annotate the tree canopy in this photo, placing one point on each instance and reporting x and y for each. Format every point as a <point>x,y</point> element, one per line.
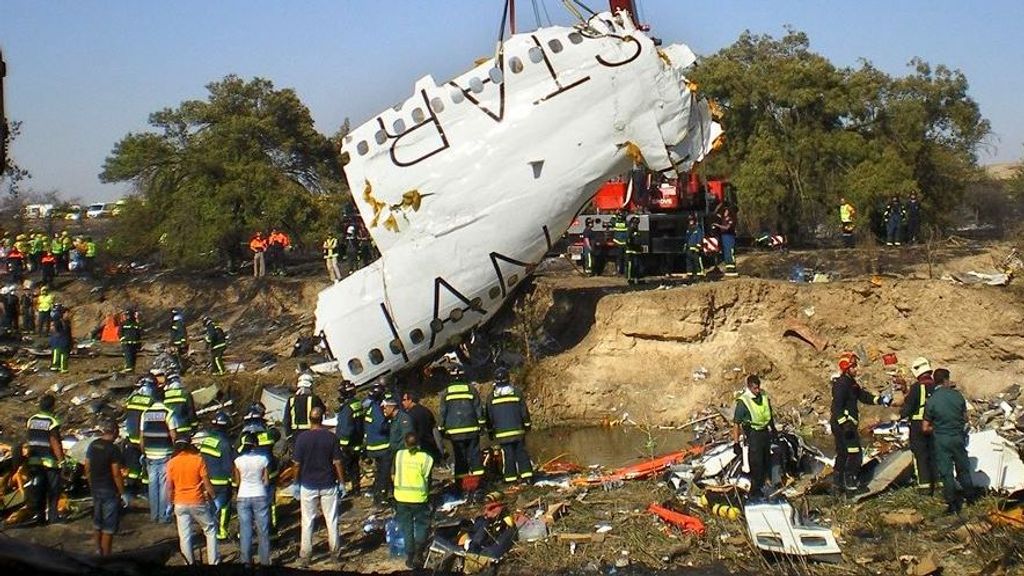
<point>246,158</point>
<point>801,133</point>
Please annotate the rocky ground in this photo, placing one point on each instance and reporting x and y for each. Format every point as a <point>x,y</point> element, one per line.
<point>662,353</point>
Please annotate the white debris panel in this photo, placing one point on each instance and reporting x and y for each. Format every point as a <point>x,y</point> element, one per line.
<point>464,186</point>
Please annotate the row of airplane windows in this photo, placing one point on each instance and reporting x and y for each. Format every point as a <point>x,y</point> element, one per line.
<point>416,336</point>
<point>476,85</point>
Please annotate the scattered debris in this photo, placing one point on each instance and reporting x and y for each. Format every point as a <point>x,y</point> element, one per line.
<point>890,469</point>
<point>902,517</point>
<point>801,331</point>
<point>777,528</point>
<point>684,522</point>
<point>997,463</point>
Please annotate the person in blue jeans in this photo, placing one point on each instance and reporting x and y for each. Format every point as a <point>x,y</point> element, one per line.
<point>252,476</point>
<point>894,215</point>
<point>158,436</point>
<point>103,462</point>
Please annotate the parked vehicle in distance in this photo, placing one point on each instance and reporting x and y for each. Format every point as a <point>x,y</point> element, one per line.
<point>98,210</point>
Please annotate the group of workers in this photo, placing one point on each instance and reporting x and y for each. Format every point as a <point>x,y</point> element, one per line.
<point>356,250</point>
<point>192,473</point>
<point>900,222</point>
<point>269,252</point>
<point>130,335</point>
<point>702,249</point>
<point>935,409</point>
<point>27,254</point>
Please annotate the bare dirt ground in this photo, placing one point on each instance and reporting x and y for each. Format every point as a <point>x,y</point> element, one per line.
<point>660,352</point>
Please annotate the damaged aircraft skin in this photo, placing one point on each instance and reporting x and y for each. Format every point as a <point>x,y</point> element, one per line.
<point>465,185</point>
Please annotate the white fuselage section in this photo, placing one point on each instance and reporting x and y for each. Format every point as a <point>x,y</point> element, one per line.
<point>465,185</point>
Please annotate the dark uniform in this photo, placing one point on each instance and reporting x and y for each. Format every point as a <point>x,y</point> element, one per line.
<point>179,339</point>
<point>620,234</point>
<point>43,464</point>
<point>754,414</point>
<point>508,419</point>
<point>130,334</point>
<point>350,437</point>
<point>633,250</point>
<point>60,340</point>
<point>921,444</point>
<point>588,249</point>
<point>219,455</point>
<point>180,402</point>
<point>461,419</point>
<point>846,393</point>
<point>137,404</point>
<point>694,245</point>
<point>946,409</point>
<point>378,442</point>
<point>297,410</point>
<point>216,342</point>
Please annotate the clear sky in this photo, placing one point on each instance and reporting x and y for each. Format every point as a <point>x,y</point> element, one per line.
<point>83,73</point>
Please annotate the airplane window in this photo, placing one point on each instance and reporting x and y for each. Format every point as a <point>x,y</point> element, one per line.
<point>380,137</point>
<point>512,280</point>
<point>477,303</point>
<point>494,292</point>
<point>476,85</point>
<point>417,115</point>
<point>416,336</point>
<point>457,95</point>
<point>355,366</point>
<point>555,46</point>
<point>396,346</point>
<point>436,325</point>
<point>536,55</point>
<point>455,315</point>
<point>496,76</point>
<point>399,126</point>
<point>516,65</point>
<point>362,148</point>
<point>437,105</point>
<point>575,37</point>
<point>376,356</point>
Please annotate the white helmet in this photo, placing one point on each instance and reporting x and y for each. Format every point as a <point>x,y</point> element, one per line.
<point>305,381</point>
<point>919,366</point>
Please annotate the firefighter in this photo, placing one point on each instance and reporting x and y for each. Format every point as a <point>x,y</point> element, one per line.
<point>694,244</point>
<point>633,250</point>
<point>846,393</point>
<point>461,418</point>
<point>913,213</point>
<point>179,338</point>
<point>45,457</point>
<point>137,403</point>
<point>130,335</point>
<point>588,247</point>
<point>264,438</point>
<point>219,455</point>
<point>298,407</point>
<point>349,431</point>
<point>44,305</point>
<point>894,216</point>
<point>945,418</point>
<point>753,418</point>
<point>913,410</point>
<point>377,442</point>
<point>180,402</point>
<point>216,342</point>
<point>508,419</point>
<point>159,431</point>
<point>620,234</point>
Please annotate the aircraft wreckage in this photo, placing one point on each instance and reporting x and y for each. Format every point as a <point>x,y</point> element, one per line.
<point>465,185</point>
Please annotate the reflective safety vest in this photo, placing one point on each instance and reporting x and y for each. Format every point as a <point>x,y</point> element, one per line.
<point>131,332</point>
<point>90,249</point>
<point>620,232</point>
<point>179,335</point>
<point>330,247</point>
<point>137,404</point>
<point>924,392</point>
<point>460,412</point>
<point>300,407</point>
<point>760,414</point>
<point>44,302</point>
<point>156,431</point>
<point>350,425</point>
<point>265,441</point>
<point>219,457</point>
<point>846,213</point>
<point>47,258</point>
<point>412,476</point>
<point>40,427</point>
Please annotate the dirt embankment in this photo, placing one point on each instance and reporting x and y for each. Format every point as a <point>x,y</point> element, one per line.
<point>645,353</point>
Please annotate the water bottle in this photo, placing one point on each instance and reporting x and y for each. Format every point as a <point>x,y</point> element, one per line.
<point>396,543</point>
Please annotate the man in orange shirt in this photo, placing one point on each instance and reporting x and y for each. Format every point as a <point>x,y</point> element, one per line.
<point>191,493</point>
<point>258,246</point>
<point>277,243</point>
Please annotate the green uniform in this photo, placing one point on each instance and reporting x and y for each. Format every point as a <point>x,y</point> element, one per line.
<point>946,409</point>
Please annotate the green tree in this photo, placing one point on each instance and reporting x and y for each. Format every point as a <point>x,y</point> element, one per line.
<point>12,175</point>
<point>246,158</point>
<point>801,133</point>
